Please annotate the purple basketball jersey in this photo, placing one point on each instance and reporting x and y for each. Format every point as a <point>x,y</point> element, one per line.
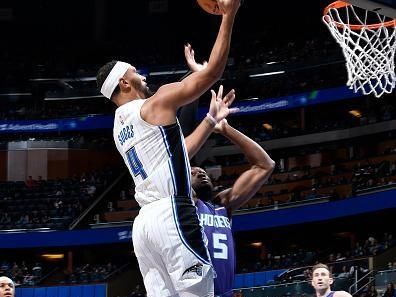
<point>217,228</point>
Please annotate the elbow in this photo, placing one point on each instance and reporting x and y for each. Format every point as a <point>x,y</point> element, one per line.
<point>267,169</point>
<point>270,166</point>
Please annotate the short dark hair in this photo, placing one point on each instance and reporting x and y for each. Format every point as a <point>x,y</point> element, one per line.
<point>321,265</point>
<point>103,73</point>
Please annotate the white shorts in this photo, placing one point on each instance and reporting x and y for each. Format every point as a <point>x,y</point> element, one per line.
<point>170,247</point>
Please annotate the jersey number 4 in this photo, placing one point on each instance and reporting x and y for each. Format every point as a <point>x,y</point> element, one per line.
<point>135,164</point>
<point>220,248</point>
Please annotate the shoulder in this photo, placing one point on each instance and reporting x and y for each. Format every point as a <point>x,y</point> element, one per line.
<point>203,203</point>
<point>154,112</point>
<point>200,204</point>
<point>342,294</point>
<point>214,208</point>
<point>125,110</point>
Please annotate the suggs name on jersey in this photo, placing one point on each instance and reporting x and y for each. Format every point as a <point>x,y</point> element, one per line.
<point>125,134</point>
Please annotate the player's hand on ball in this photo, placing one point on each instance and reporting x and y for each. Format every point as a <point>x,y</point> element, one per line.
<point>228,6</point>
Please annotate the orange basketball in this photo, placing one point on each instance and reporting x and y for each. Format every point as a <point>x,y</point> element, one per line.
<point>210,6</point>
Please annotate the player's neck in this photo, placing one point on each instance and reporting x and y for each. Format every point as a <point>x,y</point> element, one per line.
<point>124,98</point>
<point>323,293</point>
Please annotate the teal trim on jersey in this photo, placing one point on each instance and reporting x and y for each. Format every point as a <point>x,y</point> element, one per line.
<point>174,203</point>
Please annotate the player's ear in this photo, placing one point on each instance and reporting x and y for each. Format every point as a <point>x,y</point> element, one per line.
<point>123,83</point>
<point>331,280</point>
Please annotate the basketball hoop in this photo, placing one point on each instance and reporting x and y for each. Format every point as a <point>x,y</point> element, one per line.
<point>368,42</point>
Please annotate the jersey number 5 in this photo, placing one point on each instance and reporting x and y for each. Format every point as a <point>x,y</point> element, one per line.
<point>220,249</point>
<point>135,164</point>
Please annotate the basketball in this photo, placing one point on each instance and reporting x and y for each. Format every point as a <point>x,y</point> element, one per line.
<point>210,6</point>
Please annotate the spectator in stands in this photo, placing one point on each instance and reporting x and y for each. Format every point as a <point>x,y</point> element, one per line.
<point>30,182</point>
<point>37,270</point>
<point>59,193</point>
<point>122,195</point>
<point>91,189</point>
<point>40,180</point>
<point>5,218</point>
<point>138,292</point>
<point>313,194</point>
<point>345,273</point>
<point>390,291</point>
<point>322,279</point>
<point>7,287</point>
<point>372,291</point>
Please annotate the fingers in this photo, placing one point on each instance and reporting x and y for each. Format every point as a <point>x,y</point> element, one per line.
<point>229,98</point>
<point>233,110</point>
<point>220,92</point>
<point>188,51</point>
<point>213,94</point>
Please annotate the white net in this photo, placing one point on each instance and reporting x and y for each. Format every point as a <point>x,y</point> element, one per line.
<point>369,48</point>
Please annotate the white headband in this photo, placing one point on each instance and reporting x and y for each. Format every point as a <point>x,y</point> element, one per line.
<point>112,79</point>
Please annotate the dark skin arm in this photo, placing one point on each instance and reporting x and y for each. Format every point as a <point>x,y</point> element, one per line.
<point>250,181</point>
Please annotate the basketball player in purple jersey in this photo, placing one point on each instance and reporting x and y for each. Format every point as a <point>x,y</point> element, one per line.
<point>322,279</point>
<point>215,211</point>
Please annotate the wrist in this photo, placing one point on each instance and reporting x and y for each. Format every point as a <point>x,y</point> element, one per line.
<point>213,122</point>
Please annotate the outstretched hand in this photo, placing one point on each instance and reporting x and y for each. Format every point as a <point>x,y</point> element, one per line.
<point>220,106</point>
<point>190,58</point>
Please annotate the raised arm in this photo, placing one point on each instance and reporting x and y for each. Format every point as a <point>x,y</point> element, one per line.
<point>218,110</point>
<point>162,106</point>
<point>250,181</point>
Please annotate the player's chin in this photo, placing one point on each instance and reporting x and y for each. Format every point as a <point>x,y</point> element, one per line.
<point>148,92</point>
<point>207,185</point>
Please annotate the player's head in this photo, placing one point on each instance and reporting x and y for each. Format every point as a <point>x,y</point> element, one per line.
<point>201,183</point>
<point>322,277</point>
<point>7,287</point>
<point>118,77</point>
<point>390,287</point>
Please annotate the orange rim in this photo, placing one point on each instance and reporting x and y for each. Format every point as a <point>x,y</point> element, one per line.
<point>341,4</point>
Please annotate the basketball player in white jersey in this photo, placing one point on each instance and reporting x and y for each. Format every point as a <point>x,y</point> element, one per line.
<point>7,287</point>
<point>322,279</point>
<point>168,240</point>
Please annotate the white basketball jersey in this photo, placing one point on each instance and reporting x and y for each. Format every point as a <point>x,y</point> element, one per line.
<point>155,155</point>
